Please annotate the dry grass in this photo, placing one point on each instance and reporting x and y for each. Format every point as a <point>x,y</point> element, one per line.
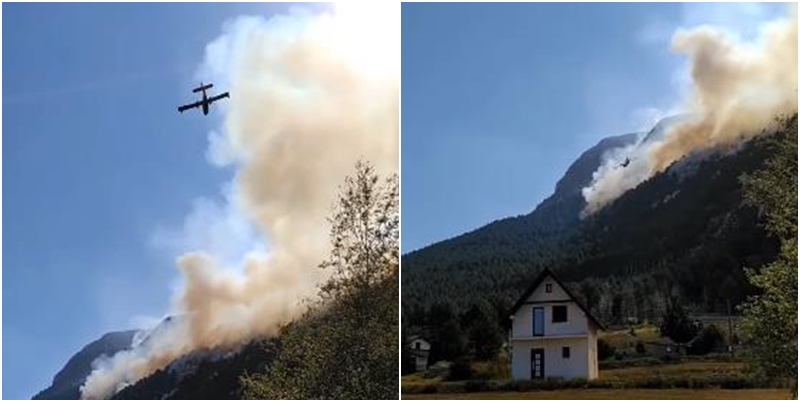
<point>418,379</point>
<point>622,339</point>
<point>619,394</point>
<point>681,370</point>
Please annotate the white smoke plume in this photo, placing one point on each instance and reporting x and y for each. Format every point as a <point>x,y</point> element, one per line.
<point>738,87</point>
<point>311,93</point>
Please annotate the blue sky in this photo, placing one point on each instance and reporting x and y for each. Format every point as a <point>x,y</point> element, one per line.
<point>499,99</point>
<point>96,162</point>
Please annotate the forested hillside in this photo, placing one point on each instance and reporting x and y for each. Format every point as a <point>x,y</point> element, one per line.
<point>684,234</point>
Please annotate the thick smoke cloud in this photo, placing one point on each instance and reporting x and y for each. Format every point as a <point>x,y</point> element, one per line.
<point>311,93</point>
<point>737,89</point>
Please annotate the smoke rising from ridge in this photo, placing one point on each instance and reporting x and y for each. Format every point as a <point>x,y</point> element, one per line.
<point>311,93</point>
<point>738,88</point>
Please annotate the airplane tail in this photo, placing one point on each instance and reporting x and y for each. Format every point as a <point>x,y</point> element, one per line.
<point>202,87</point>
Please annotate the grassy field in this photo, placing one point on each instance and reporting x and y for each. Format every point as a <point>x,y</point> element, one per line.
<point>620,384</point>
<point>628,374</point>
<point>619,394</point>
<point>680,370</point>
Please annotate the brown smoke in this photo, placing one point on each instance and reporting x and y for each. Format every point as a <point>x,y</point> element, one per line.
<point>738,88</point>
<point>308,100</point>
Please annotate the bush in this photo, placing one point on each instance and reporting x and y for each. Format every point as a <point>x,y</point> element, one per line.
<point>604,350</point>
<point>677,325</point>
<point>640,348</point>
<point>460,370</point>
<point>637,362</point>
<point>497,369</point>
<point>482,386</point>
<point>708,340</point>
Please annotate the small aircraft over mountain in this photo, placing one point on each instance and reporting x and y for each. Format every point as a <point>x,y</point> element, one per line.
<point>205,102</point>
<point>626,163</point>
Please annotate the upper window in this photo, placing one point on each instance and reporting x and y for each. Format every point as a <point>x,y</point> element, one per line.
<point>559,313</point>
<point>548,287</point>
<point>565,352</point>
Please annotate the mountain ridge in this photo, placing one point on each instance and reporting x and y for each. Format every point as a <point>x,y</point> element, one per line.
<point>67,382</point>
<point>646,230</point>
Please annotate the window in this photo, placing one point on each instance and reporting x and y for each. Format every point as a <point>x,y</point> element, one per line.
<point>416,345</point>
<point>565,352</point>
<point>538,321</point>
<point>559,313</point>
<point>548,288</point>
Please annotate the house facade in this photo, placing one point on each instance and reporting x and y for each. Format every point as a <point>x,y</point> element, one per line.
<point>552,333</point>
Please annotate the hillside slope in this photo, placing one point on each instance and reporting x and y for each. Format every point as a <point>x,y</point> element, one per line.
<point>683,233</point>
<point>66,383</point>
<point>514,244</point>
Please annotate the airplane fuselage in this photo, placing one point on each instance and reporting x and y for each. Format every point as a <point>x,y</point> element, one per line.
<point>205,103</point>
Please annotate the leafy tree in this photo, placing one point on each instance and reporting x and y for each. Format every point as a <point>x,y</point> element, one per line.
<point>605,350</point>
<point>770,318</point>
<point>346,346</point>
<point>485,334</point>
<point>460,370</point>
<point>709,339</point>
<point>450,342</point>
<point>677,325</point>
<point>407,359</point>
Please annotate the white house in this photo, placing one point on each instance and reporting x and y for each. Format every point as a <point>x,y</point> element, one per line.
<point>552,333</point>
<point>420,349</point>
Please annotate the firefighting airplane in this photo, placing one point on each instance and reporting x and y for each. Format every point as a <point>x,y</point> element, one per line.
<point>205,102</point>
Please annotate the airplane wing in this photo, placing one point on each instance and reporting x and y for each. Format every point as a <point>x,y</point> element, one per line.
<point>189,106</point>
<point>218,97</point>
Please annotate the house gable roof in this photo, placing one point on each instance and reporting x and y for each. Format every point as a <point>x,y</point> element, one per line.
<point>538,281</point>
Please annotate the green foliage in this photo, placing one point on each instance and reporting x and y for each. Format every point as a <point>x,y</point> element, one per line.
<point>604,350</point>
<point>346,347</point>
<point>770,318</point>
<point>450,343</point>
<point>485,334</point>
<point>677,325</point>
<point>201,377</point>
<point>708,340</point>
<point>407,360</point>
<point>683,233</point>
<point>460,370</point>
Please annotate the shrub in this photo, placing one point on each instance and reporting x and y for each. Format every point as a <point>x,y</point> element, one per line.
<point>677,325</point>
<point>604,350</point>
<point>460,370</point>
<point>480,386</point>
<point>637,362</point>
<point>640,348</point>
<point>708,340</point>
<point>496,369</point>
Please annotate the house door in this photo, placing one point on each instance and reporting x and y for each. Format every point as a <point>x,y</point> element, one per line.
<point>537,363</point>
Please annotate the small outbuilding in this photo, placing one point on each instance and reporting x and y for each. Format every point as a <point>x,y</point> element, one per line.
<point>420,349</point>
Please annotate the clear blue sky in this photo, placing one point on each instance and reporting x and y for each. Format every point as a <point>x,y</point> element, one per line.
<point>96,159</point>
<point>499,99</point>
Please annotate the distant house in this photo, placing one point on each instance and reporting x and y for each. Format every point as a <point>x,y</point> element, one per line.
<point>420,349</point>
<point>552,333</point>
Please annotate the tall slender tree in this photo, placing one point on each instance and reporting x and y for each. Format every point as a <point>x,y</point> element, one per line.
<point>770,318</point>
<point>346,346</point>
